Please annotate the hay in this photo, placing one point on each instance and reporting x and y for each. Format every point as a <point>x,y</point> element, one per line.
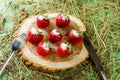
<point>102,20</point>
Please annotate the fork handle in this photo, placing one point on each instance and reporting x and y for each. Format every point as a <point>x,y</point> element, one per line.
<point>6,61</point>
<point>103,75</point>
<point>94,57</point>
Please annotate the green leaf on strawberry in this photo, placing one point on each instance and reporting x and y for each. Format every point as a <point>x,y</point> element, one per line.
<point>45,16</point>
<point>64,49</point>
<point>42,21</point>
<point>62,21</point>
<point>74,37</point>
<point>35,35</point>
<point>43,48</point>
<point>55,35</point>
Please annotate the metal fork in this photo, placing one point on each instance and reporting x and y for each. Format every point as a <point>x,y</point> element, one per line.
<point>16,44</point>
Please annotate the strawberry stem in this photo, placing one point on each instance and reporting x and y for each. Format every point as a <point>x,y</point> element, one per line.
<point>47,42</point>
<point>69,46</point>
<point>75,27</point>
<point>66,16</point>
<point>81,33</point>
<point>58,31</point>
<point>45,16</point>
<point>39,31</point>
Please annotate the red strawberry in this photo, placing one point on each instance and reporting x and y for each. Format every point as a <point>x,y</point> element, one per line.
<point>55,36</point>
<point>64,49</point>
<point>74,37</point>
<point>42,21</point>
<point>43,48</point>
<point>35,35</point>
<point>62,21</point>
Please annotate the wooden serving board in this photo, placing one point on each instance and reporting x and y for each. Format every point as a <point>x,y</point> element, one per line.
<point>53,62</point>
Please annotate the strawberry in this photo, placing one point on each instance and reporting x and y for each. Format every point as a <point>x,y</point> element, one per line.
<point>42,21</point>
<point>43,48</point>
<point>55,36</point>
<point>62,21</point>
<point>64,49</point>
<point>74,37</point>
<point>35,35</point>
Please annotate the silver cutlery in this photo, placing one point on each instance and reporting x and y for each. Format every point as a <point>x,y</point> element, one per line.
<point>94,57</point>
<point>16,44</point>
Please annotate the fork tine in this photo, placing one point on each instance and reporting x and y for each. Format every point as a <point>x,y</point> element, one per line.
<point>23,36</point>
<point>15,47</point>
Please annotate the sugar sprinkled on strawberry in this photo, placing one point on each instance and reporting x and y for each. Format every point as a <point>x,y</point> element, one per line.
<point>55,31</point>
<point>40,17</point>
<point>33,31</point>
<point>74,37</point>
<point>75,33</point>
<point>62,20</point>
<point>35,35</point>
<point>42,21</point>
<point>36,31</point>
<point>64,46</point>
<point>63,17</point>
<point>64,49</point>
<point>55,35</point>
<point>43,48</point>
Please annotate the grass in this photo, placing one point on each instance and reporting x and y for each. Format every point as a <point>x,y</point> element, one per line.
<point>102,21</point>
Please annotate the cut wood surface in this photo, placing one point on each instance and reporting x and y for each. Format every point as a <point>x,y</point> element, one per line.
<point>33,60</point>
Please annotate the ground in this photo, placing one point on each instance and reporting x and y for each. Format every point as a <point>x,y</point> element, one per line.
<point>102,21</point>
